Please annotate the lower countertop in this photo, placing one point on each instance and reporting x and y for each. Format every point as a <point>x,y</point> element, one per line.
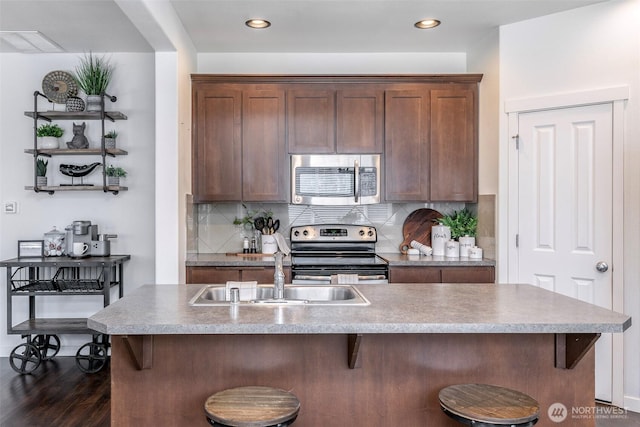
<point>393,309</point>
<point>394,259</point>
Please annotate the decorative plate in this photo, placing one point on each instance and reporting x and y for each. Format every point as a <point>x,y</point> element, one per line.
<point>58,86</point>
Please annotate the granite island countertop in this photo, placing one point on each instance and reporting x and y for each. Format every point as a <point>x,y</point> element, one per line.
<point>393,309</point>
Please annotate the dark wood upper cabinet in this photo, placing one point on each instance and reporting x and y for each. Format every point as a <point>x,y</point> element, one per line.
<point>311,120</point>
<point>359,121</point>
<point>406,145</point>
<point>426,127</point>
<point>349,120</point>
<point>217,145</point>
<point>453,149</point>
<point>264,168</point>
<point>431,144</point>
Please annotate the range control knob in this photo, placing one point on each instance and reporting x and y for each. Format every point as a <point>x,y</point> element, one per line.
<point>305,232</point>
<point>370,233</point>
<point>361,232</point>
<point>296,233</point>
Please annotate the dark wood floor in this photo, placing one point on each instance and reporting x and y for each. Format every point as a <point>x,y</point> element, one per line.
<point>58,394</point>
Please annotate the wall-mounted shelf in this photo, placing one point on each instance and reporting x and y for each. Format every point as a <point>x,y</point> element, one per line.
<point>110,188</point>
<point>77,152</point>
<point>49,116</point>
<point>82,115</point>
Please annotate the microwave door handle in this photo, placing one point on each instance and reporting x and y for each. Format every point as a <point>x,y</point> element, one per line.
<point>356,167</point>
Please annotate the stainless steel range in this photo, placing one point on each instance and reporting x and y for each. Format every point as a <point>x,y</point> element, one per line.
<point>336,253</point>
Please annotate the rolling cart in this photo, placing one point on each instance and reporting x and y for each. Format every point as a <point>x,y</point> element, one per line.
<point>28,278</point>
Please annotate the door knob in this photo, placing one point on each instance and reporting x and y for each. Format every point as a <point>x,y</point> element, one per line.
<point>602,266</point>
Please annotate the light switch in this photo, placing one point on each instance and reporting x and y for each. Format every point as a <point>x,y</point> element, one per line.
<point>10,207</point>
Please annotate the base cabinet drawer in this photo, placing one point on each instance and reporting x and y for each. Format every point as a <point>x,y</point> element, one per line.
<point>263,275</point>
<point>410,274</point>
<point>414,275</point>
<point>468,275</point>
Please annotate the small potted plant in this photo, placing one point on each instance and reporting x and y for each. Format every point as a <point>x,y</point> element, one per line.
<point>114,174</point>
<point>41,172</point>
<point>110,139</point>
<point>93,76</point>
<point>48,135</point>
<point>462,223</point>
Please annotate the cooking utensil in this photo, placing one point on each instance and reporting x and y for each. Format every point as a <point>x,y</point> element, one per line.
<point>276,225</point>
<point>269,226</point>
<point>258,223</point>
<point>417,226</point>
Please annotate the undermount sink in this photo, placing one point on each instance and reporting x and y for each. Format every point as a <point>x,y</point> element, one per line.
<point>216,295</point>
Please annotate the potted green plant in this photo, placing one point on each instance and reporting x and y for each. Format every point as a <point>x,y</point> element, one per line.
<point>462,223</point>
<point>114,174</point>
<point>48,135</point>
<point>41,172</point>
<point>93,76</point>
<point>110,139</point>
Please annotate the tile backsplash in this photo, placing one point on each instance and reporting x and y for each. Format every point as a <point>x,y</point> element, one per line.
<point>210,227</point>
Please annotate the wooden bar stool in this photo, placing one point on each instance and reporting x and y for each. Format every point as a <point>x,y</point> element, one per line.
<point>483,405</point>
<point>252,406</point>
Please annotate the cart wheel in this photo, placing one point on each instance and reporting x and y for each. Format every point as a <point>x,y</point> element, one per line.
<point>49,345</point>
<point>91,357</point>
<point>25,360</point>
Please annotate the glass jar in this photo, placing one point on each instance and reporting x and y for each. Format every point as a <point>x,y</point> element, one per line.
<point>54,243</point>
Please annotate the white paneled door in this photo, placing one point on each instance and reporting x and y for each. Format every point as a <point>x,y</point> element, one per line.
<point>565,210</point>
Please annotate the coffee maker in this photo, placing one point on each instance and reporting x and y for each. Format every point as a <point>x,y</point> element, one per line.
<point>80,232</point>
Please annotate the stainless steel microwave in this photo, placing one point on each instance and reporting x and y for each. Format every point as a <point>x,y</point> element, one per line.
<point>335,179</point>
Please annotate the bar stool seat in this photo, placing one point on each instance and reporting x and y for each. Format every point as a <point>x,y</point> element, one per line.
<point>252,406</point>
<point>484,405</point>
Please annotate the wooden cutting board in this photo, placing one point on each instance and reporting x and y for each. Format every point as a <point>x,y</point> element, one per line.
<point>417,226</point>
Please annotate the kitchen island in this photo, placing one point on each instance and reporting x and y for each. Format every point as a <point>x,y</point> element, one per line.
<point>376,365</point>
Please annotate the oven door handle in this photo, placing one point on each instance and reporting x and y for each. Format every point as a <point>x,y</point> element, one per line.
<point>328,278</point>
<point>309,277</point>
<point>356,190</point>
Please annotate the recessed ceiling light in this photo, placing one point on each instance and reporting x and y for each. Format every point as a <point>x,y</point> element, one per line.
<point>257,23</point>
<point>426,24</point>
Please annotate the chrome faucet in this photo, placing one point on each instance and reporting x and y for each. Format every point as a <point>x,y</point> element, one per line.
<point>278,277</point>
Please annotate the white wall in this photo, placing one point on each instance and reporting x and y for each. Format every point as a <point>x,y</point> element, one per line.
<point>331,63</point>
<point>129,214</point>
<point>588,48</point>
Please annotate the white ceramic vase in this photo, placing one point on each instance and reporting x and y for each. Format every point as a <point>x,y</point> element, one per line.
<point>48,142</point>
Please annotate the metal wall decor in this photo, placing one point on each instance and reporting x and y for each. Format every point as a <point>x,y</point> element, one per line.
<point>58,86</point>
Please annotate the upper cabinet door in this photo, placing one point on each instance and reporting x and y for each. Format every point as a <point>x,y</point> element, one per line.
<point>360,121</point>
<point>406,145</point>
<point>311,121</point>
<point>216,154</point>
<point>264,169</point>
<point>453,145</point>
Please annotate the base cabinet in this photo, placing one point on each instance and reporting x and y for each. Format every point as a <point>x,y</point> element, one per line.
<point>263,275</point>
<point>442,274</point>
<point>397,384</point>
